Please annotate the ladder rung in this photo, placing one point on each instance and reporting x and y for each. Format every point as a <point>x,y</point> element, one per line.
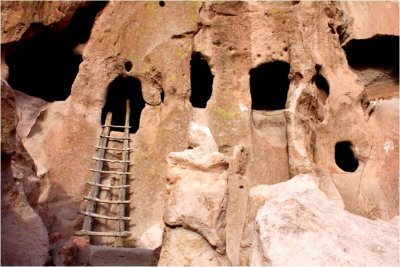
<point>120,234</point>
<point>115,138</point>
<point>108,201</point>
<point>116,126</point>
<point>111,160</point>
<point>94,215</point>
<point>108,186</point>
<point>111,148</point>
<point>111,172</point>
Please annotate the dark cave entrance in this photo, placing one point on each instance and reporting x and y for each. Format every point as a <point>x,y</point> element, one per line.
<point>119,90</point>
<point>46,65</point>
<point>269,85</point>
<point>344,157</point>
<point>201,81</point>
<point>376,63</point>
<point>378,52</point>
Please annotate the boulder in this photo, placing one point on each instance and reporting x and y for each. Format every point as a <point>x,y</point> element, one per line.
<point>302,227</point>
<point>24,238</point>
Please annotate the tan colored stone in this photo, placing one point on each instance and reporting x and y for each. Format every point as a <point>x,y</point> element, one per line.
<point>198,175</point>
<point>29,109</point>
<point>18,19</point>
<point>260,147</point>
<point>372,18</point>
<point>185,247</point>
<point>24,238</point>
<point>261,194</point>
<point>288,224</point>
<point>152,238</point>
<point>9,119</point>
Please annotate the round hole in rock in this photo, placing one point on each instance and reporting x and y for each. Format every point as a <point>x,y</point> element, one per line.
<point>128,66</point>
<point>269,85</point>
<point>344,157</point>
<point>161,3</point>
<point>201,80</point>
<point>119,90</point>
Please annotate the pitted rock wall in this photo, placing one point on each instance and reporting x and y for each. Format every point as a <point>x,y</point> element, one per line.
<point>260,147</point>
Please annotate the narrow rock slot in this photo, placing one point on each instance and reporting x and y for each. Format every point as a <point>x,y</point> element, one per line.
<point>344,157</point>
<point>201,80</point>
<point>119,90</point>
<point>269,85</point>
<point>46,65</point>
<point>321,83</point>
<point>376,62</point>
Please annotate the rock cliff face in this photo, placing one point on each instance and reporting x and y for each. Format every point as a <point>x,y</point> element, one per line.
<point>230,101</point>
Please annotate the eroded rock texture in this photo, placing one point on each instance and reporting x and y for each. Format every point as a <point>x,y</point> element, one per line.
<point>301,216</point>
<point>225,97</point>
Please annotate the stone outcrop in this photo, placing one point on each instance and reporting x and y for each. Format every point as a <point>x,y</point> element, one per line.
<point>297,215</point>
<point>199,176</point>
<point>328,109</point>
<point>24,237</point>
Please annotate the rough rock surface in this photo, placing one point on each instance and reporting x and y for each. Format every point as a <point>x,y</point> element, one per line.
<point>185,247</point>
<point>152,238</point>
<point>199,176</point>
<point>24,237</point>
<point>328,101</point>
<point>21,20</point>
<point>300,215</point>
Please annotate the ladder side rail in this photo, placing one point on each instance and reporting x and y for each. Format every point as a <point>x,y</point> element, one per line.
<point>91,205</point>
<point>122,190</point>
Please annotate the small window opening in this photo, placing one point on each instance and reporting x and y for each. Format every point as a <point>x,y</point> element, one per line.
<point>376,63</point>
<point>128,66</point>
<point>321,83</point>
<point>201,80</point>
<point>269,85</point>
<point>161,3</point>
<point>162,95</point>
<point>121,89</point>
<point>46,64</point>
<point>377,52</point>
<point>344,157</point>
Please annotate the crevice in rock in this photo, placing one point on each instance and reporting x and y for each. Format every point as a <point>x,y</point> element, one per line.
<point>162,96</point>
<point>46,65</point>
<point>344,156</point>
<point>269,85</point>
<point>376,62</point>
<point>201,81</point>
<point>119,90</point>
<point>321,83</point>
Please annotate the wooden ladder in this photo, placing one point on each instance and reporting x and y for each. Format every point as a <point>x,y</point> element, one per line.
<point>96,185</point>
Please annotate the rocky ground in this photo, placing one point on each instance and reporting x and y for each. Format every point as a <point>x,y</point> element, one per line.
<point>264,133</point>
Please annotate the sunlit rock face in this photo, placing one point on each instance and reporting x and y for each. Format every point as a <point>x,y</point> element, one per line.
<point>225,97</point>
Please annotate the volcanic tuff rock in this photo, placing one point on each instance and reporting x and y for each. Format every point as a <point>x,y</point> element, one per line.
<point>236,95</point>
<point>301,216</point>
<point>24,237</point>
<point>199,176</point>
